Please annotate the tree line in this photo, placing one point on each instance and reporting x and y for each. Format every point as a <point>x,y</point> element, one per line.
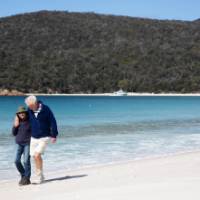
<point>64,52</point>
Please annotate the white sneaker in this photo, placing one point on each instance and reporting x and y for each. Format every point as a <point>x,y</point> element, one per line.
<point>39,178</point>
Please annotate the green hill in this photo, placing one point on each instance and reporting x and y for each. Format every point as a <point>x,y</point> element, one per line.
<point>85,52</point>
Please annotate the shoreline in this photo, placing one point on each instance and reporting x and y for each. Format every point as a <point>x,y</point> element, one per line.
<point>109,94</point>
<point>114,95</point>
<point>99,94</point>
<point>115,163</point>
<point>157,178</point>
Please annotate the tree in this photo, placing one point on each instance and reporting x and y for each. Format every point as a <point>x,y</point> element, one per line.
<point>123,84</point>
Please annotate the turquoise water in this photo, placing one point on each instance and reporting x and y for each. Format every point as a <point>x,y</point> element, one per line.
<point>100,130</point>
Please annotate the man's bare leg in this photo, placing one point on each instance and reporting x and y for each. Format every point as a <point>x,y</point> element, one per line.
<point>38,161</point>
<point>39,167</point>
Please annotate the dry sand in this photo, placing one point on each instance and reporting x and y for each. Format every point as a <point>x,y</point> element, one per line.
<point>112,94</point>
<point>175,177</point>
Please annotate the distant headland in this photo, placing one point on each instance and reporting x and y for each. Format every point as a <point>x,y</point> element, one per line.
<point>66,53</point>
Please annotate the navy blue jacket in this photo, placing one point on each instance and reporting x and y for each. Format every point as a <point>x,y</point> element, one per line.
<point>44,125</point>
<point>22,133</point>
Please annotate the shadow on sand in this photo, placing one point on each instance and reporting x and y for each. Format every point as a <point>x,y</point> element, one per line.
<point>64,178</point>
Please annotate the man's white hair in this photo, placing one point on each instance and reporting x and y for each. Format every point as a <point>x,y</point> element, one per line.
<point>31,100</point>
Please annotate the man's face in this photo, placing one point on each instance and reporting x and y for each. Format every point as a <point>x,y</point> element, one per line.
<point>33,106</point>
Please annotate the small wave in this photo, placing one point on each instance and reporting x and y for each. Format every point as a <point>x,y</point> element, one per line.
<point>169,126</point>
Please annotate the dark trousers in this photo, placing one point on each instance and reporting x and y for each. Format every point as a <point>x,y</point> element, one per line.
<point>25,167</point>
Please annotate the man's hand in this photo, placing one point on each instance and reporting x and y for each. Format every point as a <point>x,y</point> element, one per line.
<point>53,140</point>
<point>16,121</point>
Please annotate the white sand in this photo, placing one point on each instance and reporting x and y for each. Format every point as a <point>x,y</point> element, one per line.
<point>169,178</point>
<point>112,94</point>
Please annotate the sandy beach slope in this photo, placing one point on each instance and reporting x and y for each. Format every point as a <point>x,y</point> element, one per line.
<point>175,177</point>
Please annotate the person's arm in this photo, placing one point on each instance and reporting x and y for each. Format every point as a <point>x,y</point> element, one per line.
<point>15,126</point>
<point>53,124</point>
<point>14,130</point>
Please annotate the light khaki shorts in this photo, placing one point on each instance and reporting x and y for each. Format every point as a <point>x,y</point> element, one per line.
<point>38,145</point>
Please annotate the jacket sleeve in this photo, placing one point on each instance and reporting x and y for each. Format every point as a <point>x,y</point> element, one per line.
<point>53,124</point>
<point>14,130</point>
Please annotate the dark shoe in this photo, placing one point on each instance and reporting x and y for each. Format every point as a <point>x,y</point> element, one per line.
<point>21,180</point>
<point>25,181</point>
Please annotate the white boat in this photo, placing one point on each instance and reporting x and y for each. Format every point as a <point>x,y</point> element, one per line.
<point>120,93</point>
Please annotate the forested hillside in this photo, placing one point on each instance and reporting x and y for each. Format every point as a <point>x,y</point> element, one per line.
<point>66,52</point>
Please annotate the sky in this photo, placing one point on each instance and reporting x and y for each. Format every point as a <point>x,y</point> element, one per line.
<point>157,9</point>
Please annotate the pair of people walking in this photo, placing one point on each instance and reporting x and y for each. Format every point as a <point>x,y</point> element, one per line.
<point>33,129</point>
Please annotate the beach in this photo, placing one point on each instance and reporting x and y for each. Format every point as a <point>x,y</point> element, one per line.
<point>18,93</point>
<point>100,101</point>
<point>106,130</point>
<point>114,94</point>
<point>111,148</point>
<point>168,177</point>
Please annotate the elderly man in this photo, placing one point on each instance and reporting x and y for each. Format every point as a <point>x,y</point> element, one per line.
<point>43,129</point>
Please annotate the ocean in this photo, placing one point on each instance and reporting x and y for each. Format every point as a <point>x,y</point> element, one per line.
<point>98,130</point>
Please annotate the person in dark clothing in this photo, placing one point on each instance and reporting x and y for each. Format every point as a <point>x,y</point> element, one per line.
<point>22,132</point>
<point>43,130</point>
